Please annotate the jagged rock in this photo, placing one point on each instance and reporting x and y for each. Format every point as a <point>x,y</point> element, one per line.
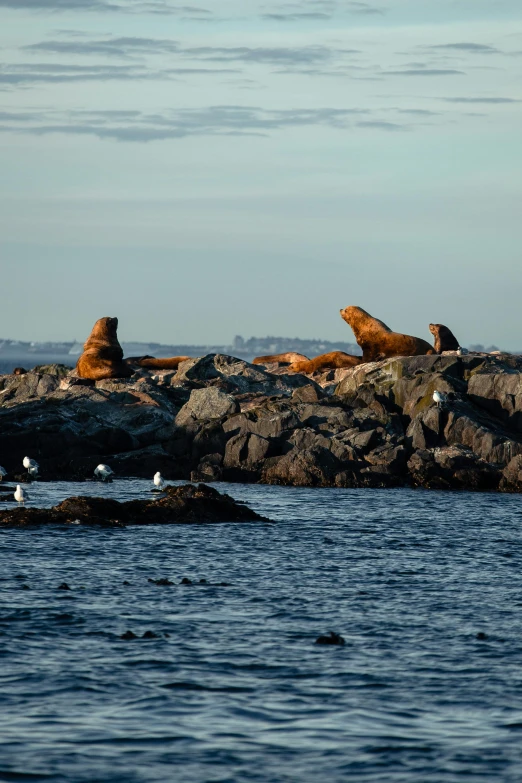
<point>61,370</point>
<point>206,404</point>
<point>500,394</point>
<point>187,504</point>
<point>236,376</point>
<point>512,475</point>
<point>307,468</point>
<point>210,468</point>
<point>452,467</point>
<point>219,418</point>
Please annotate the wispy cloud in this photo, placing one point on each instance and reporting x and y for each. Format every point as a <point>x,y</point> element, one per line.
<point>131,47</point>
<point>426,72</point>
<point>162,7</point>
<point>478,99</point>
<point>473,48</point>
<point>134,126</point>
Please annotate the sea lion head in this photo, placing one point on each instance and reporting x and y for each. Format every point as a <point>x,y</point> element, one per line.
<point>434,329</point>
<point>105,328</point>
<point>349,314</point>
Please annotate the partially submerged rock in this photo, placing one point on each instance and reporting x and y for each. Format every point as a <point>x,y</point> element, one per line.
<point>220,418</point>
<point>187,504</point>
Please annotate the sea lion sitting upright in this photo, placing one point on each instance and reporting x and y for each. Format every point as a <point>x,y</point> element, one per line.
<point>326,361</point>
<point>378,341</point>
<point>102,355</point>
<point>151,363</point>
<point>445,340</point>
<point>281,358</point>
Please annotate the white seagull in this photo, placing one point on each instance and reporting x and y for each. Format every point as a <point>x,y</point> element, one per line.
<point>3,472</point>
<point>440,398</point>
<point>159,482</point>
<point>31,466</point>
<point>462,351</point>
<point>20,495</point>
<point>104,472</point>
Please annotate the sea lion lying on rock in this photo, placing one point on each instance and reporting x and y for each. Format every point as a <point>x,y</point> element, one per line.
<point>281,358</point>
<point>102,355</point>
<point>327,361</point>
<point>378,341</point>
<point>445,340</point>
<point>151,363</point>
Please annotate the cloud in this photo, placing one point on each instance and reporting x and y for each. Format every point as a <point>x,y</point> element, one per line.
<point>316,10</point>
<point>135,126</point>
<point>473,48</point>
<point>297,17</point>
<point>26,74</point>
<point>426,72</point>
<point>110,47</point>
<point>132,47</point>
<point>471,99</point>
<point>120,6</point>
<point>53,73</point>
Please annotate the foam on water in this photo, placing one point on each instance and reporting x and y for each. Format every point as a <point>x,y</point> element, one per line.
<point>238,690</point>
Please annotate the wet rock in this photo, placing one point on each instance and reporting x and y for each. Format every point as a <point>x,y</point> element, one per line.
<point>219,418</point>
<point>452,467</point>
<point>128,636</point>
<point>511,480</point>
<point>186,581</point>
<point>64,586</point>
<point>164,582</point>
<point>332,638</point>
<point>303,468</point>
<point>150,635</point>
<point>209,469</point>
<point>187,504</point>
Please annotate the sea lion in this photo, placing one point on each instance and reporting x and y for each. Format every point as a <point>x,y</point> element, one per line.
<point>327,361</point>
<point>445,340</point>
<point>281,358</point>
<point>102,355</point>
<point>151,363</point>
<point>378,341</point>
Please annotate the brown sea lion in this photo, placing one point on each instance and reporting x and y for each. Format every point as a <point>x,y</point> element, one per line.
<point>445,340</point>
<point>327,361</point>
<point>151,363</point>
<point>281,358</point>
<point>102,355</point>
<point>378,341</point>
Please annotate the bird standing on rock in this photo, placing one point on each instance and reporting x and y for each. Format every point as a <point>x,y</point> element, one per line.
<point>104,472</point>
<point>440,398</point>
<point>159,482</point>
<point>20,495</point>
<point>31,466</point>
<point>3,472</point>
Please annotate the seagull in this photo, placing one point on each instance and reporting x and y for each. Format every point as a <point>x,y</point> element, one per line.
<point>20,495</point>
<point>104,472</point>
<point>159,482</point>
<point>3,472</point>
<point>440,398</point>
<point>31,466</point>
<point>462,351</point>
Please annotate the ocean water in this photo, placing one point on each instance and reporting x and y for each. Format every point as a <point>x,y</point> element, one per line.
<point>234,688</point>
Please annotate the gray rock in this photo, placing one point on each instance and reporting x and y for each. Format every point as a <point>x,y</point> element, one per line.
<point>205,405</point>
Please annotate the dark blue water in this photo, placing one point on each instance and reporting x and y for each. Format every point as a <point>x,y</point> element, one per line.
<point>238,691</point>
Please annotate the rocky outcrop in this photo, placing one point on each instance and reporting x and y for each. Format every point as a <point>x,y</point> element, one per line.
<point>178,506</point>
<point>220,418</point>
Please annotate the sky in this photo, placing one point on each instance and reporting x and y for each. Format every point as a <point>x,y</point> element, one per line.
<point>251,167</point>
